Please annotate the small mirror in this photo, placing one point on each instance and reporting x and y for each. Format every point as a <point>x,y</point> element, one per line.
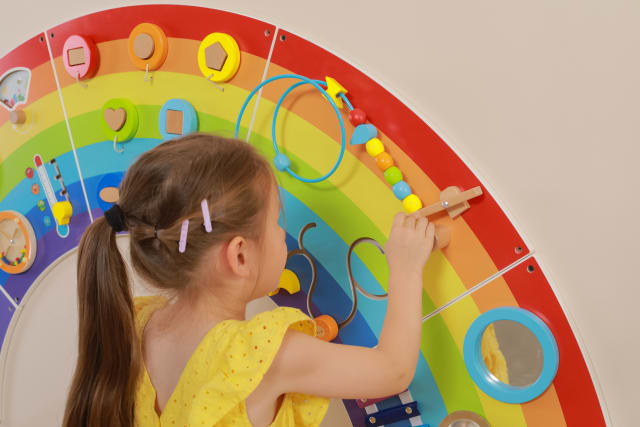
<point>464,419</point>
<point>464,423</point>
<point>512,354</point>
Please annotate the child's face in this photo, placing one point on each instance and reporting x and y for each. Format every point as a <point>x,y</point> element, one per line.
<point>274,254</point>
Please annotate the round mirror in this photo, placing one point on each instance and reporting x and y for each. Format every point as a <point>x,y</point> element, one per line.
<point>464,419</point>
<point>464,423</point>
<point>512,353</point>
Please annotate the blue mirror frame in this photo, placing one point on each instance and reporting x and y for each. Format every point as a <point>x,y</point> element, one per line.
<point>486,380</point>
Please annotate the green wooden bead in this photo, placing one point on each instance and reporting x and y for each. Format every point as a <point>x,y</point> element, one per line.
<point>393,175</point>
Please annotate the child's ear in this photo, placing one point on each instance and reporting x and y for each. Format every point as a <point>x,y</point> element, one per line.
<point>237,255</point>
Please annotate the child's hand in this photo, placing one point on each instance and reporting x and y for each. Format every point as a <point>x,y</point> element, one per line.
<point>410,243</point>
<point>311,366</point>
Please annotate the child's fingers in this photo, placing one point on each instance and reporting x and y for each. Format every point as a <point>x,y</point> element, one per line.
<point>398,220</point>
<point>430,232</point>
<point>410,222</point>
<point>421,226</point>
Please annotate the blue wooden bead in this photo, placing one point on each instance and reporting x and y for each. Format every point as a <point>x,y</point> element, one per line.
<point>363,133</point>
<point>401,190</point>
<point>281,161</point>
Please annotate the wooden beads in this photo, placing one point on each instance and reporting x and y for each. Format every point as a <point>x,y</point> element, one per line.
<point>357,117</point>
<point>392,174</point>
<point>401,190</point>
<point>384,161</point>
<point>326,327</point>
<point>412,203</point>
<point>374,147</point>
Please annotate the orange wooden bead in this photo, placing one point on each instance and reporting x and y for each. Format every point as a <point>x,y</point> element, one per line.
<point>384,161</point>
<point>326,327</point>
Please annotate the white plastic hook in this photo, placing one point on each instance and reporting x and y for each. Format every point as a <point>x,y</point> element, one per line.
<point>214,83</point>
<point>84,85</point>
<point>147,77</point>
<point>115,147</point>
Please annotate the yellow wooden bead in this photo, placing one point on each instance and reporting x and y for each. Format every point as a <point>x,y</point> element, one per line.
<point>412,203</point>
<point>374,147</point>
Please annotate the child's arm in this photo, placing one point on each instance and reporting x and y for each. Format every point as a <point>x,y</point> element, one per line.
<point>308,365</point>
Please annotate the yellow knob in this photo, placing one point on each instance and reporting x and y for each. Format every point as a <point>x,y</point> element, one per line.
<point>333,89</point>
<point>62,211</point>
<point>288,281</point>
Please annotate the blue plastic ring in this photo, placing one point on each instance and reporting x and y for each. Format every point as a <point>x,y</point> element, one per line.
<point>486,380</point>
<point>305,80</point>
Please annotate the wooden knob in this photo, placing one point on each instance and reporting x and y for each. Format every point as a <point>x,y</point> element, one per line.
<point>17,117</point>
<point>443,237</point>
<point>144,46</point>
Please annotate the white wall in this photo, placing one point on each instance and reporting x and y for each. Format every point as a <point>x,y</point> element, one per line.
<point>542,98</point>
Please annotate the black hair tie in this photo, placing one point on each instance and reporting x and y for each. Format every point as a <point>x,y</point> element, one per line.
<point>115,218</point>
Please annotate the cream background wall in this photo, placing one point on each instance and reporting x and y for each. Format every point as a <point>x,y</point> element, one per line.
<point>541,98</point>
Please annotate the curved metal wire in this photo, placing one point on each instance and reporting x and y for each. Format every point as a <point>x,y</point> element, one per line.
<point>353,283</point>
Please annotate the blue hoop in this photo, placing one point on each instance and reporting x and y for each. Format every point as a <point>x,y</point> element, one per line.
<point>484,378</point>
<point>282,162</point>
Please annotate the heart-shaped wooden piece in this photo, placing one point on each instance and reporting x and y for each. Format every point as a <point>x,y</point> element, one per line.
<point>115,118</point>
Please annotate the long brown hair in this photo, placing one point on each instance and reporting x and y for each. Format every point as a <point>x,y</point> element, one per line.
<point>165,186</point>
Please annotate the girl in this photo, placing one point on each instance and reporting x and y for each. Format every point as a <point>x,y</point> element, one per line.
<point>202,215</point>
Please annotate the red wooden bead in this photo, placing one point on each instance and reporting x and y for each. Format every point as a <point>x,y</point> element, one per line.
<point>357,116</point>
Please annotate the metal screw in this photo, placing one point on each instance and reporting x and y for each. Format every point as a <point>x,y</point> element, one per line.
<point>408,410</point>
<point>372,420</point>
<point>445,204</point>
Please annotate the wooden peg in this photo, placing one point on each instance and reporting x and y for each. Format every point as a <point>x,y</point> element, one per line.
<point>443,237</point>
<point>451,200</point>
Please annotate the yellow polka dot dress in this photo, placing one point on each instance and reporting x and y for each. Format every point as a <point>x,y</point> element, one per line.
<point>224,369</point>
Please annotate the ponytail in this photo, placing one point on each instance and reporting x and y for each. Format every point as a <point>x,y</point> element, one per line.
<point>104,383</point>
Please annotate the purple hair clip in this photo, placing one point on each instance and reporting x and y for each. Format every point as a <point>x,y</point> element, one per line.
<point>206,215</point>
<point>183,236</point>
